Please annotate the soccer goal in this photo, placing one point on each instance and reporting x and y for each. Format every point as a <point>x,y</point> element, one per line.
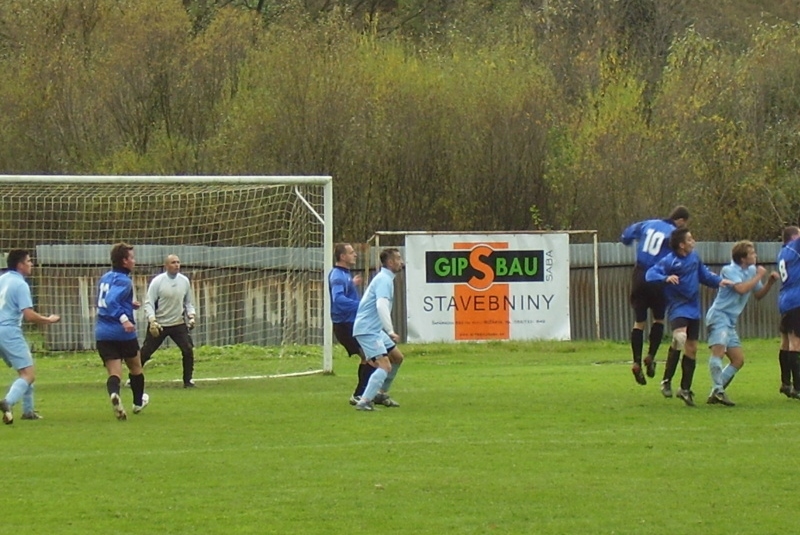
<point>255,249</point>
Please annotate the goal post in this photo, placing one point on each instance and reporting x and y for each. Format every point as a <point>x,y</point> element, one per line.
<point>256,249</point>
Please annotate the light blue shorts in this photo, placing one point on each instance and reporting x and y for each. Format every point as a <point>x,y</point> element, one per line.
<point>375,345</point>
<point>14,348</point>
<point>722,331</point>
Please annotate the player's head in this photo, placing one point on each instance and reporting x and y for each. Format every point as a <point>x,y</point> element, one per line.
<point>679,216</point>
<point>122,256</point>
<point>17,259</point>
<point>790,233</point>
<point>744,252</point>
<point>681,241</point>
<point>344,255</point>
<point>392,260</point>
<point>172,264</point>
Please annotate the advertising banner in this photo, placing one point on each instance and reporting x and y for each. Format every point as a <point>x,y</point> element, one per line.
<point>487,287</point>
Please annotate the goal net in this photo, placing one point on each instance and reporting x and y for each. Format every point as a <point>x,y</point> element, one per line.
<point>254,248</point>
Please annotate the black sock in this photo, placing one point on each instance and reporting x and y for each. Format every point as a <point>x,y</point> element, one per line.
<point>364,373</point>
<point>656,335</point>
<point>687,372</point>
<point>794,365</point>
<point>112,384</point>
<point>137,387</point>
<point>673,357</point>
<point>786,369</point>
<point>637,342</point>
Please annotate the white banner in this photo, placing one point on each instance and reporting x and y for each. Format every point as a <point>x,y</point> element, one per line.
<point>487,287</point>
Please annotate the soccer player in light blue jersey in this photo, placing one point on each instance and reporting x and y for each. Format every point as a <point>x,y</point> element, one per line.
<point>725,311</point>
<point>375,334</point>
<point>652,244</point>
<point>789,308</point>
<point>16,304</point>
<point>115,331</point>
<point>683,272</point>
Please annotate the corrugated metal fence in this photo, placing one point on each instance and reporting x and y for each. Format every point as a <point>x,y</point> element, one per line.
<point>254,302</point>
<point>615,261</point>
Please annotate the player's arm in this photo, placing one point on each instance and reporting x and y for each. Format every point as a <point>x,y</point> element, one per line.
<point>188,305</point>
<point>743,287</point>
<point>118,293</point>
<point>339,296</point>
<point>659,272</point>
<point>34,317</point>
<point>764,289</point>
<point>151,299</point>
<point>630,234</point>
<point>384,307</point>
<point>711,279</point>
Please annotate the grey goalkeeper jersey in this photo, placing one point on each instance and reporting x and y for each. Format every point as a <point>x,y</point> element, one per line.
<point>168,298</point>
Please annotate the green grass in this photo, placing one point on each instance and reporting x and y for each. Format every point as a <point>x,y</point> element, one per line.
<point>545,438</point>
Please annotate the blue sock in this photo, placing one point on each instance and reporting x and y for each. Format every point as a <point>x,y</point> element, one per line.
<point>27,400</point>
<point>727,374</point>
<point>374,384</point>
<point>715,367</point>
<point>17,390</point>
<point>387,383</point>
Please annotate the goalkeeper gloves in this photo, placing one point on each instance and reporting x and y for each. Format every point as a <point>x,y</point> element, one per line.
<point>155,328</point>
<point>190,323</point>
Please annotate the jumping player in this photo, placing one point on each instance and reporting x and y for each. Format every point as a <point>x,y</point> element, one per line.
<point>652,244</point>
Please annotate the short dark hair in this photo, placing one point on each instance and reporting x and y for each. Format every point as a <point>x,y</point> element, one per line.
<point>338,250</point>
<point>119,252</point>
<point>679,212</point>
<point>677,237</point>
<point>790,233</point>
<point>15,256</point>
<point>386,254</point>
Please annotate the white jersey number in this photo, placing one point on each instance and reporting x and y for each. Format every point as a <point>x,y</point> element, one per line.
<point>101,297</point>
<point>653,241</point>
<point>782,270</point>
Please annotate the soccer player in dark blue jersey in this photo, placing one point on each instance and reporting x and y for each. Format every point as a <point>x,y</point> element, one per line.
<point>115,330</point>
<point>789,308</point>
<point>652,244</point>
<point>344,305</point>
<point>682,272</point>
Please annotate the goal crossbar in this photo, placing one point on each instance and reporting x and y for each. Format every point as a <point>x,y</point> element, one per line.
<point>22,189</point>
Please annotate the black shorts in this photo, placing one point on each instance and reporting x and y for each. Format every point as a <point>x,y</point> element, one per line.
<point>692,327</point>
<point>646,296</point>
<point>790,322</point>
<point>344,334</point>
<point>117,349</point>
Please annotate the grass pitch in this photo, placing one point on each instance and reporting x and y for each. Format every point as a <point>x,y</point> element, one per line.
<point>545,438</point>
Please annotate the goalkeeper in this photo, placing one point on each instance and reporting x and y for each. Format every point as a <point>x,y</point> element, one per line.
<point>169,307</point>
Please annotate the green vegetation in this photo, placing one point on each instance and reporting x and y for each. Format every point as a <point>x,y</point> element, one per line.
<point>515,438</point>
<point>473,115</point>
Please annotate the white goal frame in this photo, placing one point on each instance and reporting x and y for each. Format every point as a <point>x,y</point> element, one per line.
<point>326,219</point>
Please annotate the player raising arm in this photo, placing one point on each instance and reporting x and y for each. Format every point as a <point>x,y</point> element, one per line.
<point>682,272</point>
<point>725,311</point>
